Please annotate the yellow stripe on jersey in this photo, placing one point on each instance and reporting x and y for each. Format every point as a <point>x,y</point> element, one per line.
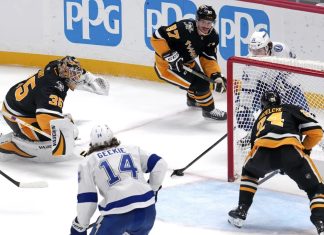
<point>312,137</point>
<point>160,45</point>
<point>209,66</point>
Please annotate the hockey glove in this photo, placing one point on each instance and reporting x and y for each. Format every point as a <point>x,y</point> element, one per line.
<point>307,151</point>
<point>220,82</point>
<point>174,60</point>
<point>77,229</point>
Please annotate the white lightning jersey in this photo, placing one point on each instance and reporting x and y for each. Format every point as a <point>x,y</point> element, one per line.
<point>252,78</point>
<point>118,174</point>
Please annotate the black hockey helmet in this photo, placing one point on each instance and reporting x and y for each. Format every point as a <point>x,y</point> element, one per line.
<point>270,98</point>
<point>206,12</point>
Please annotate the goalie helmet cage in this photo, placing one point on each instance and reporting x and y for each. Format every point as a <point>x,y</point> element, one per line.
<point>299,82</point>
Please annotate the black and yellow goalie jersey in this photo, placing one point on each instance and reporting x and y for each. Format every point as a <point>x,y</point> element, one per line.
<point>39,97</point>
<point>285,125</point>
<point>182,36</point>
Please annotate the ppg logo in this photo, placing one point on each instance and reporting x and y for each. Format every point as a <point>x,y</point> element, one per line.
<point>158,13</point>
<point>236,25</point>
<point>95,22</point>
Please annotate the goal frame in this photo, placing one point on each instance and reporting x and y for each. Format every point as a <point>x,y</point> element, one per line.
<point>230,97</point>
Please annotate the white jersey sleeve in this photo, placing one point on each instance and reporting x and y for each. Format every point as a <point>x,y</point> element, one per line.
<point>280,49</point>
<point>118,174</point>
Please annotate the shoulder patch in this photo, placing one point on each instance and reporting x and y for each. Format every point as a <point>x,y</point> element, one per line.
<point>189,26</point>
<point>307,114</point>
<point>59,85</point>
<point>278,48</point>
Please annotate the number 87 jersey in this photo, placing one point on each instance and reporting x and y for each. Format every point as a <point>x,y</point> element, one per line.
<point>118,173</point>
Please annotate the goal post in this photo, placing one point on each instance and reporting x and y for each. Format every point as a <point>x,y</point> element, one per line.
<point>299,82</point>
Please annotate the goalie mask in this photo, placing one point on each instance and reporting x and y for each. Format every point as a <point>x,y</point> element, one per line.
<point>70,69</point>
<point>101,135</point>
<point>260,44</point>
<point>270,98</point>
<point>205,18</point>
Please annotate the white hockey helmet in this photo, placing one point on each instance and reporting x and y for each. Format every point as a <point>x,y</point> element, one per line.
<point>101,135</point>
<point>260,44</point>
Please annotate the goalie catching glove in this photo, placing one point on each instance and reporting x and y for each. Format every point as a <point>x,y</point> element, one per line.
<point>174,60</point>
<point>220,82</point>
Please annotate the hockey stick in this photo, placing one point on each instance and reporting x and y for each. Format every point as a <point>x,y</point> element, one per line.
<point>202,76</point>
<point>16,119</point>
<point>179,172</point>
<point>36,184</point>
<point>268,176</point>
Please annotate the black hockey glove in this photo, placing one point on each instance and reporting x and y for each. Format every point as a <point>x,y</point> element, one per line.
<point>307,151</point>
<point>174,60</point>
<point>77,229</point>
<point>220,82</point>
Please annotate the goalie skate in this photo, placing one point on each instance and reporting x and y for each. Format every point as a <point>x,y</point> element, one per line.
<point>238,216</point>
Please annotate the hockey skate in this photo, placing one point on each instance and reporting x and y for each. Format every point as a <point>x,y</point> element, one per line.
<point>215,114</point>
<point>319,224</point>
<point>238,216</point>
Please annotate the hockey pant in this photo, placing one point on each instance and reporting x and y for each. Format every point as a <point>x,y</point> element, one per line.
<point>197,88</point>
<point>136,222</point>
<point>293,162</point>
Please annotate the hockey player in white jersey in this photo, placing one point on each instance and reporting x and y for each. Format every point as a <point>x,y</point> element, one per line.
<point>248,103</point>
<point>117,172</point>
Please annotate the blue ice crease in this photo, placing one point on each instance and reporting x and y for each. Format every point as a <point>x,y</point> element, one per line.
<point>206,204</point>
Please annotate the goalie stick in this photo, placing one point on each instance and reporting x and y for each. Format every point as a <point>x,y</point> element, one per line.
<point>179,172</point>
<point>14,118</point>
<point>36,184</point>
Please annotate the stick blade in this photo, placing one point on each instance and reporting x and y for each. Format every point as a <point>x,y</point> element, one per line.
<point>178,172</point>
<point>36,184</point>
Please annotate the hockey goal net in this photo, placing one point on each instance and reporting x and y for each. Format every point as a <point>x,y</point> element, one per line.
<point>299,82</point>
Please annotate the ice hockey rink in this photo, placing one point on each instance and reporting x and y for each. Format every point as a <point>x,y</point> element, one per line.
<point>154,116</point>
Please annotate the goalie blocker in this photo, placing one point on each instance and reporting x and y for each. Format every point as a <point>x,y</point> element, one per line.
<point>57,149</point>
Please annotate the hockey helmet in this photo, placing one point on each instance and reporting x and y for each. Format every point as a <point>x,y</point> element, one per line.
<point>206,12</point>
<point>270,98</point>
<point>260,44</point>
<point>70,69</point>
<point>100,135</point>
<point>205,18</point>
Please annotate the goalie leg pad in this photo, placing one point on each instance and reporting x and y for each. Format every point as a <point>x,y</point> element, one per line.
<point>62,137</point>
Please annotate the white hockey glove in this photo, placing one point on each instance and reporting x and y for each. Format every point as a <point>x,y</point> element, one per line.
<point>94,84</point>
<point>220,82</point>
<point>78,229</point>
<point>174,60</point>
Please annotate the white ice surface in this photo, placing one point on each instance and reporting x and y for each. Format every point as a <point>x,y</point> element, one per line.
<point>154,116</point>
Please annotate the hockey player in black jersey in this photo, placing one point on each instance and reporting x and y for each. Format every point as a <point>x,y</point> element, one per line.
<point>38,101</point>
<point>276,143</point>
<point>180,44</point>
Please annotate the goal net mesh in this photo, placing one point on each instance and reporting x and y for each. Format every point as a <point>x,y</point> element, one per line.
<point>298,82</point>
